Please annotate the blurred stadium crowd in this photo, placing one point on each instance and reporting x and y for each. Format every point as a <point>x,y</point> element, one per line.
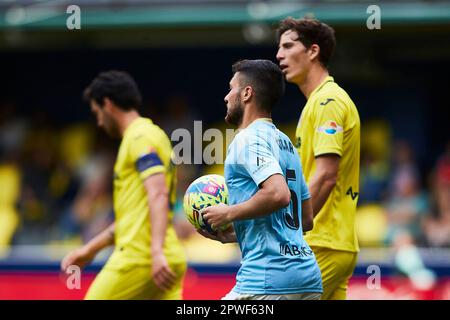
<point>56,183</point>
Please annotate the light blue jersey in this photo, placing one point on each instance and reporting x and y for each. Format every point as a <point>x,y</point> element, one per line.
<point>275,257</point>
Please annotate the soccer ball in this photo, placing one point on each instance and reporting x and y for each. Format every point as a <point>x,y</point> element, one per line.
<point>205,191</point>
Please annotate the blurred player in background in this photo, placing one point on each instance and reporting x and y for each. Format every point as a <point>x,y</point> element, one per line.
<point>267,194</point>
<point>328,140</point>
<point>148,261</point>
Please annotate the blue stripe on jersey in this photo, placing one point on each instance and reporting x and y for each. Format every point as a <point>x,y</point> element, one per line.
<point>147,161</point>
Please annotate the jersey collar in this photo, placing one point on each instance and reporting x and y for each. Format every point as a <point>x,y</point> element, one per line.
<point>269,120</point>
<point>326,80</point>
<point>134,123</point>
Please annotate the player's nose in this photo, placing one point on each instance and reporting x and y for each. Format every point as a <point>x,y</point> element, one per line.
<point>280,55</point>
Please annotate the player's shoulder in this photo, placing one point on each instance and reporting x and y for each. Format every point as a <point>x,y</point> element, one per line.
<point>260,130</point>
<point>333,96</point>
<point>330,92</point>
<point>257,133</point>
<point>242,138</point>
<point>281,135</point>
<point>145,132</point>
<point>145,127</point>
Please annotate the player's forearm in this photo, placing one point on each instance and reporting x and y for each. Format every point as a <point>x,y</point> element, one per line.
<point>159,212</point>
<point>264,202</point>
<point>102,240</point>
<point>320,189</point>
<point>307,215</point>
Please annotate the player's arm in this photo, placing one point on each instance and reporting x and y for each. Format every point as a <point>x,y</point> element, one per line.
<point>329,123</point>
<point>273,194</point>
<point>84,255</point>
<point>307,215</point>
<point>158,200</point>
<point>227,236</point>
<point>324,180</point>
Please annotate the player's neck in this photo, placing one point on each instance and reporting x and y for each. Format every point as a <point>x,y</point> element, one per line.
<point>314,78</point>
<point>125,119</point>
<point>251,116</point>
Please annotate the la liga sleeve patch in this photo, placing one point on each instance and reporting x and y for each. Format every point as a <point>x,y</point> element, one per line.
<point>330,127</point>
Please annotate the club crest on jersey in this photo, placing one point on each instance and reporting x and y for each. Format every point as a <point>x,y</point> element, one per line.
<point>330,127</point>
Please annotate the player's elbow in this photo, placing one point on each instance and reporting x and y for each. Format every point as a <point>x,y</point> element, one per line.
<point>276,192</point>
<point>285,199</point>
<point>307,215</point>
<point>281,198</point>
<point>158,198</point>
<point>327,176</point>
<point>307,224</point>
<point>330,180</point>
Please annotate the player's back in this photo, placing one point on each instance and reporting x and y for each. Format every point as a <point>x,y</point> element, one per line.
<point>275,257</point>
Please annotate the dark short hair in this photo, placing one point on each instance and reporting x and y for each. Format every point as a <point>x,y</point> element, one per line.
<point>118,86</point>
<point>266,79</point>
<point>311,31</point>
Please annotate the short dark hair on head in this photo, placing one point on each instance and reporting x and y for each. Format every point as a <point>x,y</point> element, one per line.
<point>311,31</point>
<point>118,86</point>
<point>266,79</point>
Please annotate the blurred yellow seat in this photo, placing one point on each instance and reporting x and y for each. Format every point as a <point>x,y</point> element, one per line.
<point>202,250</point>
<point>371,225</point>
<point>9,219</point>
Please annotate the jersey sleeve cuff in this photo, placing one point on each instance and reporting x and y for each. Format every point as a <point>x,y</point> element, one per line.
<point>151,171</point>
<point>306,197</point>
<point>265,175</point>
<point>325,150</point>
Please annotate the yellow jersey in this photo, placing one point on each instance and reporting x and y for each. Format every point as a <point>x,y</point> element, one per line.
<point>330,123</point>
<point>145,150</point>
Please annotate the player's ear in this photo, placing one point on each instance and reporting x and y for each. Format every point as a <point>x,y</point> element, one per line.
<point>247,93</point>
<point>314,51</point>
<point>107,104</point>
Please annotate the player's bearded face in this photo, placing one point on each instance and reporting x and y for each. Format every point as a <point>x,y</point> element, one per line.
<point>235,111</point>
<point>105,120</point>
<point>110,125</point>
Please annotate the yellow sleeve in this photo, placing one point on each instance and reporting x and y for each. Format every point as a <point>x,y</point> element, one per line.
<point>145,157</point>
<point>328,127</point>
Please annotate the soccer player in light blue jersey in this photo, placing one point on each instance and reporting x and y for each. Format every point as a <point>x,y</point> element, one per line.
<point>269,203</point>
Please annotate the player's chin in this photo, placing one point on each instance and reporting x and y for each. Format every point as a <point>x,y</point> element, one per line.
<point>289,77</point>
<point>228,119</point>
<point>113,133</point>
<point>293,78</point>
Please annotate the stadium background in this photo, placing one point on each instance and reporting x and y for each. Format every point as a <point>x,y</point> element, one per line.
<point>55,166</point>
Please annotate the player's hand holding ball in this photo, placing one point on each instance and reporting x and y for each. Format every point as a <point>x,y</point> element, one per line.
<point>227,236</point>
<point>217,216</point>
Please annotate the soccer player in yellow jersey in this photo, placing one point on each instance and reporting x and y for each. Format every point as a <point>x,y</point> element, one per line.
<point>328,140</point>
<point>148,261</point>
